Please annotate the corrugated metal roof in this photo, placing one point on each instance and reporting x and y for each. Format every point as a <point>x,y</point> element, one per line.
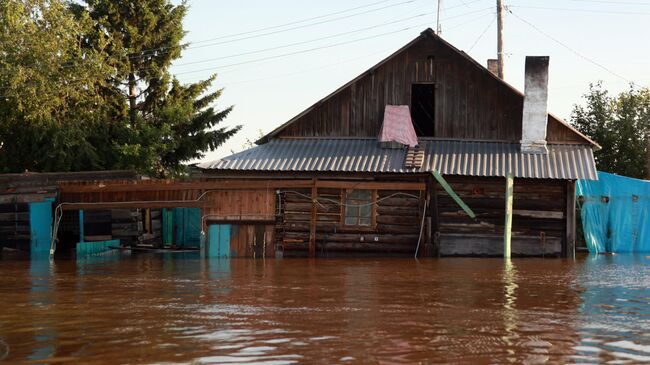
<point>471,158</point>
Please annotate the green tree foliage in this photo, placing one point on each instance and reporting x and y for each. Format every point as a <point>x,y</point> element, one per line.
<point>49,101</point>
<point>621,125</point>
<point>87,86</point>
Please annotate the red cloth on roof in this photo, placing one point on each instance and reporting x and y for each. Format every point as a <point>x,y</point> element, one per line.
<point>398,126</point>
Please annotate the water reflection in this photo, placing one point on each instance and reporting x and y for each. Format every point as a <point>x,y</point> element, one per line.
<point>180,309</point>
<point>615,313</point>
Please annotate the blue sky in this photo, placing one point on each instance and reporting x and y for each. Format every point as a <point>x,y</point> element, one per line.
<point>269,77</point>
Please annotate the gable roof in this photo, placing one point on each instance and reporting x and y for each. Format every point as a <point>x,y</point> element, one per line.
<point>426,33</point>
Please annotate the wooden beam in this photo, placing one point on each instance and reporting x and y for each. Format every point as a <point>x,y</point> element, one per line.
<point>453,194</point>
<point>165,185</point>
<point>372,185</point>
<point>131,205</point>
<point>570,220</point>
<point>312,225</point>
<point>507,231</point>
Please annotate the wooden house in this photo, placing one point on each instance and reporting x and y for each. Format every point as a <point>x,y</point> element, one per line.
<point>27,202</point>
<point>333,189</point>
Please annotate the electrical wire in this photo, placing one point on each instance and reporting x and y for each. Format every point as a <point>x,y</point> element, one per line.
<point>303,42</point>
<point>572,50</point>
<point>424,211</point>
<point>316,200</point>
<point>482,34</point>
<point>187,46</point>
<point>580,10</point>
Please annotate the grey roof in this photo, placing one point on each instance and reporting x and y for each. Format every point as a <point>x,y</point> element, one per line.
<point>449,157</point>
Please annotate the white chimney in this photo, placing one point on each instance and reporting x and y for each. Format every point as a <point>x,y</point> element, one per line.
<point>535,115</point>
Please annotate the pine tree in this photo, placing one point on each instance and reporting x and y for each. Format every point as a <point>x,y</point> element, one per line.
<point>168,123</point>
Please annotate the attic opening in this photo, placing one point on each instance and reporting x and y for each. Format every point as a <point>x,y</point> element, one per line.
<point>423,109</point>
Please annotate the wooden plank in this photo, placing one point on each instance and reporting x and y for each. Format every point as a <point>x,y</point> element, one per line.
<point>570,220</point>
<point>312,225</point>
<point>372,185</point>
<point>132,205</point>
<point>507,232</point>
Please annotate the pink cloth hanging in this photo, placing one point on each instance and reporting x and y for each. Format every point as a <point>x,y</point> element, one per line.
<point>398,126</point>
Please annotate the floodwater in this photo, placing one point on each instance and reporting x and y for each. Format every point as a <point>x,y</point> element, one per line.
<point>166,309</point>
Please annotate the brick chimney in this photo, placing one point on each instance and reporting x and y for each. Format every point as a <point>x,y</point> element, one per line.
<point>535,113</point>
<point>493,66</point>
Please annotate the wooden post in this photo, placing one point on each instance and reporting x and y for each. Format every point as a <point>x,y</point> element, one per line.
<point>571,220</point>
<point>312,225</point>
<point>81,225</point>
<point>500,60</point>
<point>507,231</point>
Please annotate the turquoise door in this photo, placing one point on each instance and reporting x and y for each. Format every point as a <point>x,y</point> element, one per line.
<point>40,222</point>
<point>187,224</point>
<point>219,241</point>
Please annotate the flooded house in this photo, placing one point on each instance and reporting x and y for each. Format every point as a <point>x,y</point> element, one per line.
<point>427,153</point>
<point>28,201</point>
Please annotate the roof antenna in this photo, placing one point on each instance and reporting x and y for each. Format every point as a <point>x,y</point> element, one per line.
<point>438,27</point>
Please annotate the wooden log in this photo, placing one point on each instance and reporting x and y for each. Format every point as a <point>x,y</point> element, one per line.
<point>312,227</point>
<point>570,242</point>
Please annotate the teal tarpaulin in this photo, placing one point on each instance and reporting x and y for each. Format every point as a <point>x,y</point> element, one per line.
<point>615,213</point>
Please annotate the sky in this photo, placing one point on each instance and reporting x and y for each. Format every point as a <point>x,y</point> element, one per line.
<point>275,58</point>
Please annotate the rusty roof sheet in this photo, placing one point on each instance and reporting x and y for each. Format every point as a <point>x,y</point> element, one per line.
<point>449,157</point>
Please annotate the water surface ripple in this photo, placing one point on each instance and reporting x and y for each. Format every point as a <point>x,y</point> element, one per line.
<point>179,309</point>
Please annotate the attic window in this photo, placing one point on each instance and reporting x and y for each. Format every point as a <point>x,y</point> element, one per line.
<point>423,109</point>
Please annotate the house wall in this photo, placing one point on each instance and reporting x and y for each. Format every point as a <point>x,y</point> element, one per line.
<point>470,103</point>
<point>394,231</point>
<point>540,221</point>
<point>539,224</point>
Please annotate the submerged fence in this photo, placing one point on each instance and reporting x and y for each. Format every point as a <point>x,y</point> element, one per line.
<point>615,212</point>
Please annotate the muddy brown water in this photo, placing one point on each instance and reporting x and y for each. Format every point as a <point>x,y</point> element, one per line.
<point>179,309</point>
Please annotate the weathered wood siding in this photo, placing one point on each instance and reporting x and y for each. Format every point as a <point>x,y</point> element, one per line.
<point>538,225</point>
<point>469,102</point>
<point>252,240</point>
<point>239,205</point>
<point>395,230</point>
<point>15,228</point>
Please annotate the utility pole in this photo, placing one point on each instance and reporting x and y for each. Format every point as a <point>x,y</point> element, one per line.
<point>499,38</point>
<point>438,27</point>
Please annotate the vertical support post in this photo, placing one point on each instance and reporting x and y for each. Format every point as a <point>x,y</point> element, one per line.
<point>147,220</point>
<point>81,225</point>
<point>312,226</point>
<point>507,231</point>
<point>571,220</point>
<point>500,61</point>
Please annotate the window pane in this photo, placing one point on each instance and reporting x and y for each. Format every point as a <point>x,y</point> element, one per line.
<point>364,221</point>
<point>365,211</point>
<point>351,221</point>
<point>351,211</point>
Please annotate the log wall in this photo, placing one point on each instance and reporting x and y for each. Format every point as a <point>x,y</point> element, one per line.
<point>394,231</point>
<point>538,225</point>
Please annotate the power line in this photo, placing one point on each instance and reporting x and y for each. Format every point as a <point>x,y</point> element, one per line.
<point>581,10</point>
<point>304,51</point>
<point>613,2</point>
<point>304,42</point>
<point>573,50</point>
<point>292,22</point>
<point>482,34</point>
<point>187,45</point>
